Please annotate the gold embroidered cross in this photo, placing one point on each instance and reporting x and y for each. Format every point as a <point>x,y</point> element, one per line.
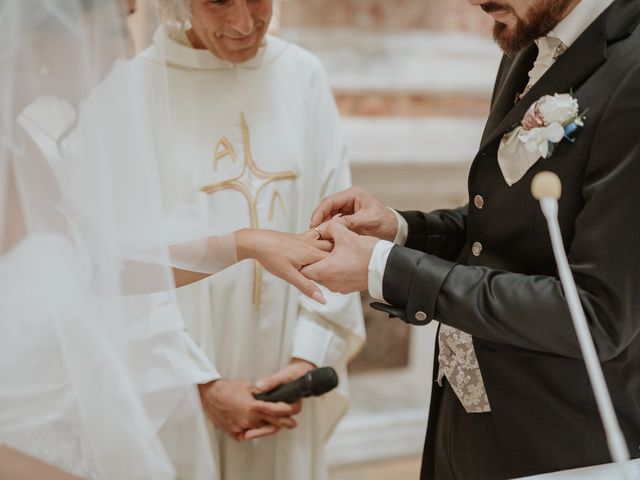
<point>251,182</point>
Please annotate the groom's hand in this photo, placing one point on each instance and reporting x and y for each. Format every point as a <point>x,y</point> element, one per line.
<point>360,212</point>
<point>346,269</point>
<point>231,407</point>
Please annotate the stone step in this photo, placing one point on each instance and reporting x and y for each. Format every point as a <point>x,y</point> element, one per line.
<point>411,163</point>
<point>385,15</point>
<point>404,63</point>
<point>398,141</point>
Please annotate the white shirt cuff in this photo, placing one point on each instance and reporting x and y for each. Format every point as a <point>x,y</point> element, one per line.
<point>377,265</point>
<point>403,229</point>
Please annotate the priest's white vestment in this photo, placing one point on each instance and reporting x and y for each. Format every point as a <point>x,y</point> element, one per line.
<point>258,144</point>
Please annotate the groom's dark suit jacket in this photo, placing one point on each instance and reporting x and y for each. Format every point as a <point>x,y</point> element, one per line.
<point>509,297</point>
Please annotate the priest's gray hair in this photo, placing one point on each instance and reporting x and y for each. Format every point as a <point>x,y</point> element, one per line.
<point>175,10</point>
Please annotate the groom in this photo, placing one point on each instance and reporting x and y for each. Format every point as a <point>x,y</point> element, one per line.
<point>512,396</point>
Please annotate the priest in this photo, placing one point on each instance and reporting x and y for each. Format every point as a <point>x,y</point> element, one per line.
<point>255,142</point>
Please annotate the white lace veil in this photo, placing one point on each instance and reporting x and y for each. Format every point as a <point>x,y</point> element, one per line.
<point>82,230</point>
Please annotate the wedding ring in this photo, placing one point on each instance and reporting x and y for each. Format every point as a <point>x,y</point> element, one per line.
<point>318,232</point>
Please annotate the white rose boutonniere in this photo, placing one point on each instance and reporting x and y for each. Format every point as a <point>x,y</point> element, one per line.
<point>547,122</point>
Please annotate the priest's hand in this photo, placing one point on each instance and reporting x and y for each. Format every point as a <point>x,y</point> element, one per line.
<point>297,368</point>
<point>346,268</point>
<point>231,407</point>
<point>284,254</point>
<point>359,211</point>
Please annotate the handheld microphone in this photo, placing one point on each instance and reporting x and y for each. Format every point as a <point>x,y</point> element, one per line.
<point>546,188</point>
<point>315,382</point>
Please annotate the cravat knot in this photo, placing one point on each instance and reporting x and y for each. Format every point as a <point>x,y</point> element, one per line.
<point>549,49</point>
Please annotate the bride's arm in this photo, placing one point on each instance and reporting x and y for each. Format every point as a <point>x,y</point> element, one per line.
<point>15,465</point>
<point>282,254</point>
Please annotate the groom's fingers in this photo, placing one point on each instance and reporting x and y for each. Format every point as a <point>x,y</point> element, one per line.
<point>335,230</point>
<point>314,236</point>
<point>341,202</point>
<point>324,245</point>
<point>314,271</point>
<point>311,234</point>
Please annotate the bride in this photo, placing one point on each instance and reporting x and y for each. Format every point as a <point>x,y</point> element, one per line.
<point>84,241</point>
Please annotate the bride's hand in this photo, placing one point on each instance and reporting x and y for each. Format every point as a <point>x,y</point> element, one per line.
<point>284,254</point>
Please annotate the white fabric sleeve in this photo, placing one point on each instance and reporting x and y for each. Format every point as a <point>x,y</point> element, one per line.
<point>157,333</point>
<point>403,229</point>
<point>206,255</point>
<point>315,342</point>
<point>185,238</point>
<point>377,265</point>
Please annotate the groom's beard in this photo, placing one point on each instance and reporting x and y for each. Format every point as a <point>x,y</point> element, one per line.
<point>539,21</point>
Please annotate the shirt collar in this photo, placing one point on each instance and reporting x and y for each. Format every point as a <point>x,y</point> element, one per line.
<point>578,20</point>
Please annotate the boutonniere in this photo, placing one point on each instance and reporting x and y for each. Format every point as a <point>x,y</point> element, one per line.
<point>547,122</point>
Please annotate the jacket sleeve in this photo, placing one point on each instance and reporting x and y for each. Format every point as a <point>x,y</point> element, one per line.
<point>440,233</point>
<point>529,311</point>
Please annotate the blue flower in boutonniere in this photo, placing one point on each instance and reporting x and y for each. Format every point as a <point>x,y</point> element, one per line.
<point>547,122</point>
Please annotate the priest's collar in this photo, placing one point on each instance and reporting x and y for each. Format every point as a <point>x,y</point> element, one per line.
<point>170,46</point>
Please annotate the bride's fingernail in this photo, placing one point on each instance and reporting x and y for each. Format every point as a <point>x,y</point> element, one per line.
<point>318,297</point>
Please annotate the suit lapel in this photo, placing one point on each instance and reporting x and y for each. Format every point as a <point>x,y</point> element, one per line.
<point>512,83</point>
<point>565,75</point>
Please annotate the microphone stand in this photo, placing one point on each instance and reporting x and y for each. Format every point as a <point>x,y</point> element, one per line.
<point>615,439</point>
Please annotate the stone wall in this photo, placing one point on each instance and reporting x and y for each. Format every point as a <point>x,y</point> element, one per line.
<point>388,15</point>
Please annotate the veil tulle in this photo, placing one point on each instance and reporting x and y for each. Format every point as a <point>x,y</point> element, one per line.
<point>82,232</point>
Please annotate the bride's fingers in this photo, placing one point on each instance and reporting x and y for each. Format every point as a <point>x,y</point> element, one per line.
<point>306,286</point>
<point>315,255</point>
<point>312,234</point>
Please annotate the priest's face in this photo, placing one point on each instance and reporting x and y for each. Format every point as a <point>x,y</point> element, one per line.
<point>230,29</point>
<point>520,22</point>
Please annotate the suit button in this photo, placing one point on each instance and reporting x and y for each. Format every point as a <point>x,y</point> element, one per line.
<point>446,351</point>
<point>476,249</point>
<point>478,201</point>
<point>421,316</point>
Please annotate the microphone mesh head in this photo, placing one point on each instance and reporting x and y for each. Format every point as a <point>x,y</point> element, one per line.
<point>546,185</point>
<point>323,380</point>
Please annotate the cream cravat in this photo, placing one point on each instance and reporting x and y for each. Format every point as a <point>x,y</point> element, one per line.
<point>549,49</point>
<point>513,158</point>
<point>458,363</point>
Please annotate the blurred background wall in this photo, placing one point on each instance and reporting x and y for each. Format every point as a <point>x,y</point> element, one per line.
<point>413,80</point>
